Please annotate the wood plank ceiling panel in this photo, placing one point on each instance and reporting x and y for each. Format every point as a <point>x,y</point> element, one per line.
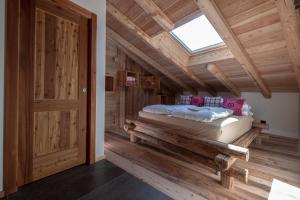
<point>259,29</point>
<point>161,43</point>
<point>256,24</point>
<point>215,15</point>
<point>157,14</point>
<point>219,74</point>
<point>138,16</point>
<point>179,11</point>
<point>143,47</point>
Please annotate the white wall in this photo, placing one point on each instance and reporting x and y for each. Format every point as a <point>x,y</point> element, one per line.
<point>2,33</point>
<point>99,8</point>
<point>281,111</point>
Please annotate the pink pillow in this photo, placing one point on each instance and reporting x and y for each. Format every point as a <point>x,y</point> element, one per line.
<point>197,101</point>
<point>234,104</point>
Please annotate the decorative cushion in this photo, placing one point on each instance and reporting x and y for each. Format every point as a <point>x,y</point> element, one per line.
<point>213,101</point>
<point>234,104</point>
<point>185,99</point>
<point>197,101</point>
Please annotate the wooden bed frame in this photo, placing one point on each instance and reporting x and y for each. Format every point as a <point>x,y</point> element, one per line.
<point>216,155</point>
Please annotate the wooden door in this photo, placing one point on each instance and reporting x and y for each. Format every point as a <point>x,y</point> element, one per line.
<point>58,108</point>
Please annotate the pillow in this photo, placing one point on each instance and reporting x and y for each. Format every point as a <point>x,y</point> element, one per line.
<point>197,101</point>
<point>185,100</point>
<point>234,104</point>
<point>247,110</point>
<point>213,101</point>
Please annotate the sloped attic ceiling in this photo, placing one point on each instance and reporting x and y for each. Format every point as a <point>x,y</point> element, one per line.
<point>257,27</point>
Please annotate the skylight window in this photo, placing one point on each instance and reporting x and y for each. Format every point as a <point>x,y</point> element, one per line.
<point>197,34</point>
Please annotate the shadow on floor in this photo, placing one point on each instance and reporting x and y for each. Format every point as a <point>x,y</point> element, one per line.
<point>102,180</point>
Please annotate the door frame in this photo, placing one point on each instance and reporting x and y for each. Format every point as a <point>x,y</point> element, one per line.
<point>14,115</point>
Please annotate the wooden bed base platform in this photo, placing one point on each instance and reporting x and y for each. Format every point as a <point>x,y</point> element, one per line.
<point>216,155</point>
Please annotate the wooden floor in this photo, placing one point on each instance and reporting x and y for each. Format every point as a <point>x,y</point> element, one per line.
<point>103,181</point>
<point>276,158</point>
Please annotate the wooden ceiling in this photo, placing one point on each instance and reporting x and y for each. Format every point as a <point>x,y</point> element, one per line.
<point>262,51</point>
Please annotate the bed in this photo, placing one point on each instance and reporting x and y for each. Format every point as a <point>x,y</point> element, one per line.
<point>224,130</point>
<point>211,136</point>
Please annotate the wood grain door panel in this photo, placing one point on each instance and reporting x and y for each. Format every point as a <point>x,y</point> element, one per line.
<point>59,105</point>
<point>57,58</point>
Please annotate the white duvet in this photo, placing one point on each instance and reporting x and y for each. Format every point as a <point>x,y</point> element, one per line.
<point>201,114</point>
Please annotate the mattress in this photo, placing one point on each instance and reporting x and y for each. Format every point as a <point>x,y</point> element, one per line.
<point>224,130</point>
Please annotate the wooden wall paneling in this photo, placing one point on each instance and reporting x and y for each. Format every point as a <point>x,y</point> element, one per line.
<point>11,96</point>
<point>137,97</point>
<point>168,84</point>
<point>109,84</point>
<point>112,107</point>
<point>114,64</point>
<point>134,97</point>
<point>116,37</point>
<point>122,97</point>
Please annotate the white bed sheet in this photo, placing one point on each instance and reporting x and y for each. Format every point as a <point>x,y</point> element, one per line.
<point>190,112</point>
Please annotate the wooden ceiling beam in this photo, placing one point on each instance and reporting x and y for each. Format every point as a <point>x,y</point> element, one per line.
<point>157,14</point>
<point>158,43</point>
<point>212,55</point>
<point>216,18</point>
<point>219,74</point>
<point>290,22</point>
<point>131,48</point>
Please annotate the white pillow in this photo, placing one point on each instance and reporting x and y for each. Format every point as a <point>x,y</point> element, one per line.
<point>247,110</point>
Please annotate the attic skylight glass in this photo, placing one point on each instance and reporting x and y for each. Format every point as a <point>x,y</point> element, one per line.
<point>197,34</point>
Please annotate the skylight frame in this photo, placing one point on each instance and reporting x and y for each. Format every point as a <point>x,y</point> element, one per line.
<point>190,51</point>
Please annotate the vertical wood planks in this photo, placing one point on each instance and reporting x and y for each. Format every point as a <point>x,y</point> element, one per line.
<point>55,131</point>
<point>57,59</point>
<point>50,56</point>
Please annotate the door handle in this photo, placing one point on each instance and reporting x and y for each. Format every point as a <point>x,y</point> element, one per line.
<point>84,90</point>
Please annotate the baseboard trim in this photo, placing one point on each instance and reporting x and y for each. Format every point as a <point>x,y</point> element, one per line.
<point>99,158</point>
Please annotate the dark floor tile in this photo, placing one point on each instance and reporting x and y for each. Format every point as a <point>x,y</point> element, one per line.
<point>71,184</point>
<point>126,187</point>
<point>102,180</point>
